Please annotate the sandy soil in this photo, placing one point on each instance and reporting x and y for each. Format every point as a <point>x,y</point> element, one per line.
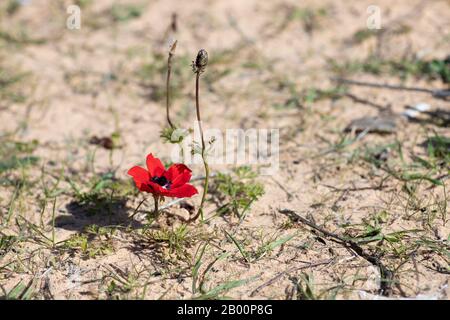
<point>88,82</point>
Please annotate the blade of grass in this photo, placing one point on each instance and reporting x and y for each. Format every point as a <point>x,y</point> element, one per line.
<point>239,246</point>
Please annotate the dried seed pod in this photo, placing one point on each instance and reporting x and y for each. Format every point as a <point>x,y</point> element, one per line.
<point>172,47</point>
<point>200,62</point>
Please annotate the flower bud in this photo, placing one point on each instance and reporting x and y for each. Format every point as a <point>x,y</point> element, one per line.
<point>201,61</point>
<point>172,47</point>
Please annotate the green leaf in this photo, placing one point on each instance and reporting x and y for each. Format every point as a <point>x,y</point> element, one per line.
<point>222,288</point>
<point>21,291</point>
<point>272,245</point>
<point>239,246</point>
<point>418,176</point>
<point>14,162</point>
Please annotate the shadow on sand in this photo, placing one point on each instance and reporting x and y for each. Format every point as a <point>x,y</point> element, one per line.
<point>101,211</point>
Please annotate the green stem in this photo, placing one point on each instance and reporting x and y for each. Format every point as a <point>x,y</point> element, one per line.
<point>53,223</point>
<point>156,211</point>
<point>205,189</point>
<point>199,120</point>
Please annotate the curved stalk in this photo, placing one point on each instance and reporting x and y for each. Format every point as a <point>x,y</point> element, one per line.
<point>203,154</point>
<point>169,71</point>
<point>156,210</point>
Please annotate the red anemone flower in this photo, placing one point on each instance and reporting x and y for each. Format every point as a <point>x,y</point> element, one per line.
<point>161,182</point>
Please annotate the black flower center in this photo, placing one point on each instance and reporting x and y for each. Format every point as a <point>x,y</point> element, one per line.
<point>162,181</point>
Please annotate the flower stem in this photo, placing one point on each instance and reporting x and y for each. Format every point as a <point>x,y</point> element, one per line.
<point>169,71</point>
<point>156,211</point>
<point>203,154</point>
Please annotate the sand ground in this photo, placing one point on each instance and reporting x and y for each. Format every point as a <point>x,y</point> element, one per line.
<point>108,77</point>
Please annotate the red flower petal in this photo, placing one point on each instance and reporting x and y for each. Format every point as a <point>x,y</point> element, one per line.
<point>185,191</point>
<point>141,177</point>
<point>178,174</point>
<point>177,177</point>
<point>154,166</point>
